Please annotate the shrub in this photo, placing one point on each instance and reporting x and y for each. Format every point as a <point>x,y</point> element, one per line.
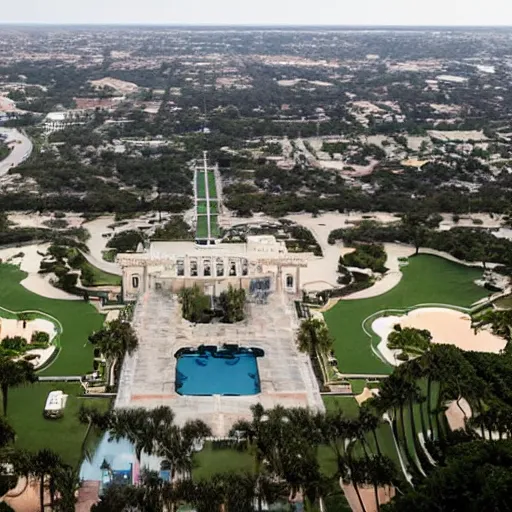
<point>38,345</point>
<point>372,256</point>
<point>40,337</point>
<point>17,343</point>
<point>126,241</point>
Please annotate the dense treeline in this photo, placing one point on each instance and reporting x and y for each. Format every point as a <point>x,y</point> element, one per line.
<point>470,244</point>
<point>106,199</point>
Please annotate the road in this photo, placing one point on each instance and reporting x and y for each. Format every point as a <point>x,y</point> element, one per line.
<point>22,148</point>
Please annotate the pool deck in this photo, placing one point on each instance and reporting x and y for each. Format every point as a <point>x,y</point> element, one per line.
<point>148,376</point>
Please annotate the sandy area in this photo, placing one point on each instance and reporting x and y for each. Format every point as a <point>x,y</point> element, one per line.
<point>321,272</point>
<point>27,501</point>
<point>11,327</point>
<point>29,262</point>
<point>446,326</point>
<point>97,243</point>
<point>368,495</point>
<point>21,148</point>
<point>365,395</point>
<point>33,220</point>
<point>458,413</point>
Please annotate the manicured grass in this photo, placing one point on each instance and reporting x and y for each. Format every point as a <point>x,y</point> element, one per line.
<point>202,227</point>
<point>64,435</point>
<point>209,462</point>
<point>212,187</point>
<point>109,255</point>
<point>504,303</point>
<point>347,404</point>
<point>101,278</point>
<point>78,320</point>
<point>201,208</point>
<point>358,385</point>
<point>201,188</point>
<point>427,279</point>
<point>214,226</point>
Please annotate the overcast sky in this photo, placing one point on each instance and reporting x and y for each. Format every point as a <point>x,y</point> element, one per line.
<point>254,12</point>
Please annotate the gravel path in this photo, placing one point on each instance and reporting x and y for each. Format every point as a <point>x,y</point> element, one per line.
<point>22,148</point>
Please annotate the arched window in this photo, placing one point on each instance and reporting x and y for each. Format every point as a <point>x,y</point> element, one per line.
<point>135,281</point>
<point>289,281</point>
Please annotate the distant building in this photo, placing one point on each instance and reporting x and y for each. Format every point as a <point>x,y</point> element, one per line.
<point>56,121</point>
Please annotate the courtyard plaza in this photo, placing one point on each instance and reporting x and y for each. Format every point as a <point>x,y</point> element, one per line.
<point>148,376</point>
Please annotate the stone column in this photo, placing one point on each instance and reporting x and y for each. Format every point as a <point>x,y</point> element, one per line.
<point>145,278</point>
<point>297,280</point>
<point>279,278</point>
<point>186,266</point>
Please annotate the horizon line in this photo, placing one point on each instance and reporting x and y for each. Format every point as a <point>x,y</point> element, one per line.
<point>247,25</point>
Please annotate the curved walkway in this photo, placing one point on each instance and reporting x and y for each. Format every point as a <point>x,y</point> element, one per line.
<point>21,149</point>
<point>106,266</point>
<point>40,285</point>
<point>29,262</point>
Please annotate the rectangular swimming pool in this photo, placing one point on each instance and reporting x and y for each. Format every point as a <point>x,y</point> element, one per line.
<point>217,373</point>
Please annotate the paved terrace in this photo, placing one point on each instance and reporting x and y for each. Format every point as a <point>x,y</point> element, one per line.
<point>148,377</point>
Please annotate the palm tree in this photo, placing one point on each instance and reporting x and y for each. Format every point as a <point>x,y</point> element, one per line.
<point>7,434</point>
<point>409,339</point>
<point>232,302</point>
<point>377,471</point>
<point>314,336</point>
<point>284,443</point>
<point>13,374</point>
<point>356,474</point>
<point>66,481</point>
<point>24,317</point>
<point>369,422</point>
<point>499,321</point>
<point>114,341</point>
<point>46,463</point>
<point>175,445</point>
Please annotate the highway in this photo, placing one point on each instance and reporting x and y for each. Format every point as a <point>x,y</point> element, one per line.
<point>21,149</point>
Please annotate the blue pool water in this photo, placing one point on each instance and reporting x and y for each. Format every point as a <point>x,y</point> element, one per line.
<point>217,373</point>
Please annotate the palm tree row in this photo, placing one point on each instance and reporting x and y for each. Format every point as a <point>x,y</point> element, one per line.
<point>284,444</point>
<point>116,339</point>
<point>13,374</point>
<point>58,478</point>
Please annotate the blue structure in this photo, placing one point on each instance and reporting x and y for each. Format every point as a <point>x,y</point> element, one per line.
<point>231,370</point>
<point>113,462</point>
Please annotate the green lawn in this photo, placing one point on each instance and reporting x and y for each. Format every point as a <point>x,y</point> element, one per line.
<point>78,320</point>
<point>347,404</point>
<point>202,226</point>
<point>64,435</point>
<point>504,303</point>
<point>214,226</point>
<point>101,278</point>
<point>212,187</point>
<point>427,279</point>
<point>209,462</point>
<point>201,208</point>
<point>201,188</point>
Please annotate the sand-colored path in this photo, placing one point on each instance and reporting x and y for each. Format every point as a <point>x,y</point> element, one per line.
<point>457,413</point>
<point>368,496</point>
<point>21,149</point>
<point>446,326</point>
<point>28,500</point>
<point>29,262</point>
